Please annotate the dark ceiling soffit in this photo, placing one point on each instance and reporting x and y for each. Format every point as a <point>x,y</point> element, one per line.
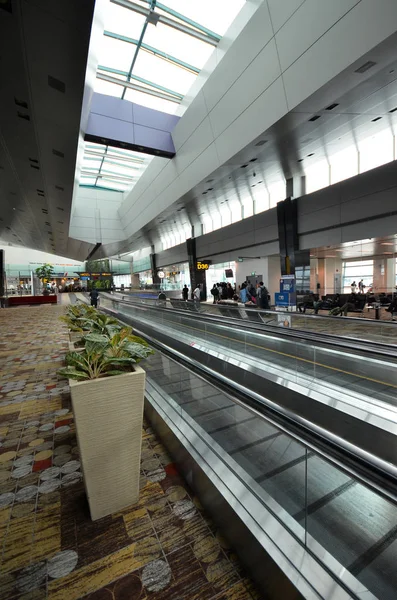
<point>126,146</point>
<point>94,250</point>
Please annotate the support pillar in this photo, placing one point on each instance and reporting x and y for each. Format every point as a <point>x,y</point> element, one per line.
<point>153,266</point>
<point>197,277</point>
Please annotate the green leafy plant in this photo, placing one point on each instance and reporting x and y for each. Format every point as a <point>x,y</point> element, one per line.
<point>45,272</point>
<point>76,316</point>
<point>104,356</point>
<point>97,322</point>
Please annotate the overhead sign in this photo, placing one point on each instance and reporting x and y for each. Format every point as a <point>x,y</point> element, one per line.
<point>93,274</point>
<point>203,265</point>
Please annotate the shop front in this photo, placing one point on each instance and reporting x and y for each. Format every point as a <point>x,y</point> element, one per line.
<point>174,277</point>
<point>219,273</point>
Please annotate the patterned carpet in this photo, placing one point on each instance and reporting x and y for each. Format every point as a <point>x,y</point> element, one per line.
<point>164,547</point>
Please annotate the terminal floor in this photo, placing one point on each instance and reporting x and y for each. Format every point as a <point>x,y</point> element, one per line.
<point>165,547</point>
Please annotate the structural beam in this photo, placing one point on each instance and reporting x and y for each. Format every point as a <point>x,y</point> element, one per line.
<point>151,50</point>
<point>141,80</point>
<point>137,88</point>
<point>146,12</point>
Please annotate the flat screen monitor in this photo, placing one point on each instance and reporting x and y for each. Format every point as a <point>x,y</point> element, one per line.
<point>228,273</point>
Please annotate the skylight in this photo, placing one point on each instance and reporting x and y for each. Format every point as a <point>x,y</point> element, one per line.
<point>151,54</point>
<point>165,45</point>
<point>111,168</point>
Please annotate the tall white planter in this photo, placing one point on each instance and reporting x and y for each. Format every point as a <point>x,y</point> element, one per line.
<point>108,413</point>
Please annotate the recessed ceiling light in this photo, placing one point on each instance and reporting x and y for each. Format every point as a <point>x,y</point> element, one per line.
<point>332,106</point>
<point>314,118</point>
<point>261,143</point>
<point>387,244</point>
<point>376,119</point>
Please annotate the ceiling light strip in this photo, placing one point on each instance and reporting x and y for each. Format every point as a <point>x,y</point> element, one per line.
<point>137,88</point>
<point>155,51</point>
<point>141,80</point>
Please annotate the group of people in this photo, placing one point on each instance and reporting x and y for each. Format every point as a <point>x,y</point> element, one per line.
<point>361,287</point>
<point>259,295</point>
<point>222,291</point>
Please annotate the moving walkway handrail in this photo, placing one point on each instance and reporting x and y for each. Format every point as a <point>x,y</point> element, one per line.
<point>323,339</point>
<point>369,322</point>
<point>354,461</point>
<point>371,470</point>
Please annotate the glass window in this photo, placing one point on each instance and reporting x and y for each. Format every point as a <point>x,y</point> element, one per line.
<point>163,73</point>
<point>226,216</point>
<point>356,270</point>
<point>261,198</point>
<point>216,16</point>
<point>236,211</point>
<point>207,225</point>
<point>248,207</point>
<point>317,176</point>
<point>276,192</point>
<point>179,45</point>
<point>116,54</point>
<point>344,165</point>
<point>123,21</point>
<point>109,89</point>
<point>216,221</point>
<point>151,101</point>
<point>113,168</point>
<point>168,58</point>
<point>376,150</point>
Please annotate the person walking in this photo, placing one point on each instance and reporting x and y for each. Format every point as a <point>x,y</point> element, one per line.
<point>361,286</point>
<point>185,292</point>
<point>94,298</point>
<point>215,293</point>
<point>197,294</point>
<point>230,291</point>
<point>353,287</point>
<point>262,294</point>
<point>244,295</point>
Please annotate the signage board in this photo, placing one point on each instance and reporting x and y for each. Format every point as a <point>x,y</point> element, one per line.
<point>203,265</point>
<point>287,284</point>
<point>161,274</point>
<point>285,299</point>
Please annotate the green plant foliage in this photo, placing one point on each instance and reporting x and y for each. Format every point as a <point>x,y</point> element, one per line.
<point>104,356</point>
<point>45,272</point>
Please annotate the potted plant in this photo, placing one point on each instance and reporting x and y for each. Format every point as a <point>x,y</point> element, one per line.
<point>107,390</point>
<point>45,273</point>
<point>76,319</point>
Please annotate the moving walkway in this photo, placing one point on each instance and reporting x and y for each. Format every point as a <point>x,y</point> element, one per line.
<point>325,382</point>
<point>307,507</point>
<point>330,529</point>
